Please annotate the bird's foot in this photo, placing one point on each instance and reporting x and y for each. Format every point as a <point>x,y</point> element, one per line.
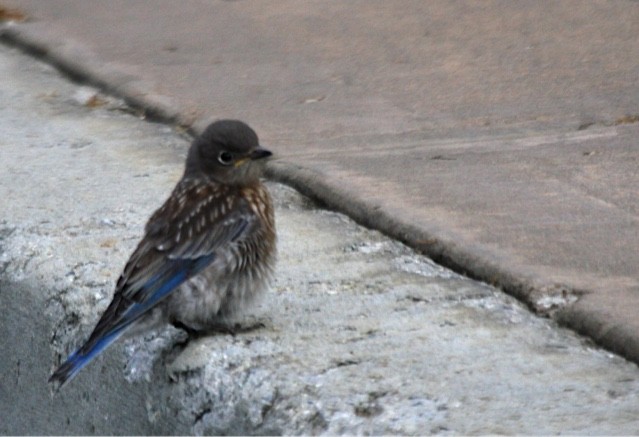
<point>219,328</point>
<point>189,331</point>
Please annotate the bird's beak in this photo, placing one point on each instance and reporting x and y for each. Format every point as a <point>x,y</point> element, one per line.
<point>260,153</point>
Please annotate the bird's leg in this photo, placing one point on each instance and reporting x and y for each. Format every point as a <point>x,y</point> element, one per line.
<point>217,328</point>
<point>189,331</point>
<point>238,328</point>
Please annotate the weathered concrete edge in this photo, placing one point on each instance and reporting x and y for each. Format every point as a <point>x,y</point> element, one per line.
<point>585,316</point>
<point>83,66</point>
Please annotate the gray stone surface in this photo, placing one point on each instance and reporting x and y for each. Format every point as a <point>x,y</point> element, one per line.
<point>497,137</point>
<point>360,334</point>
<point>66,227</point>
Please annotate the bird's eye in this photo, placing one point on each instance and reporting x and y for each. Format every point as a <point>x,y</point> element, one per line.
<point>225,158</point>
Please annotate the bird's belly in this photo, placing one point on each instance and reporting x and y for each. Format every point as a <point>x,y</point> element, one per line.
<point>214,297</point>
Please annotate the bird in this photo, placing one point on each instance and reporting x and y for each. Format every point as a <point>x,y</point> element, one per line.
<point>206,253</point>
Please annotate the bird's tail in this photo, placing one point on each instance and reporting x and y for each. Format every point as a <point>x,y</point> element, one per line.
<point>122,312</point>
<point>82,357</point>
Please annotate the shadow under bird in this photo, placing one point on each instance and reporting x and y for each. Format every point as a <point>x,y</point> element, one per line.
<point>206,253</point>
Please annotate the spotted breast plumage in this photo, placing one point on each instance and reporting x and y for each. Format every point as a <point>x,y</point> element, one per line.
<point>206,253</point>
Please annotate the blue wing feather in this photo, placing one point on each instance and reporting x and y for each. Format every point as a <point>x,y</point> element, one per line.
<point>163,260</point>
<point>157,288</point>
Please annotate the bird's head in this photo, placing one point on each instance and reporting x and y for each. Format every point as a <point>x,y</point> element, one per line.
<point>229,152</point>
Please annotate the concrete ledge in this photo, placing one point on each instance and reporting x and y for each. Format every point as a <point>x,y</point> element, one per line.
<point>594,315</point>
<point>84,66</point>
<point>360,334</point>
<point>542,296</point>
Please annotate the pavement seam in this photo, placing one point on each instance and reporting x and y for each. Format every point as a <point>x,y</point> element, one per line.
<point>81,66</point>
<point>75,65</point>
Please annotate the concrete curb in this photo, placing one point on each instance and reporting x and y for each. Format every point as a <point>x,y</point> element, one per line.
<point>82,65</point>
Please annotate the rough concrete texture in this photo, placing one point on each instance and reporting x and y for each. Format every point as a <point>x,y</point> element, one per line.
<point>359,335</point>
<point>497,137</point>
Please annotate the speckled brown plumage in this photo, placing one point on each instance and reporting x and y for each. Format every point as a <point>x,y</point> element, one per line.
<point>207,252</point>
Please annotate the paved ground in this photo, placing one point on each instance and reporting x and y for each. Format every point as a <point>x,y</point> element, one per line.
<point>360,335</point>
<point>497,137</point>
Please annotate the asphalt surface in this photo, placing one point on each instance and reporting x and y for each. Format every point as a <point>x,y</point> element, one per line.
<point>360,335</point>
<point>499,138</point>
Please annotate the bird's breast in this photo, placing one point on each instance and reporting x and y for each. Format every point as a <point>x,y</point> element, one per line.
<point>240,273</point>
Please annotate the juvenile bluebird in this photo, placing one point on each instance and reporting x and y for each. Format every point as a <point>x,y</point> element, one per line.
<point>206,253</point>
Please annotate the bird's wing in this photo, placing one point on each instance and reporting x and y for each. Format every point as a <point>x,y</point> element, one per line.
<point>182,237</point>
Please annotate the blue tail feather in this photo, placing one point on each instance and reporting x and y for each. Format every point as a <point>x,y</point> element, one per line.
<point>79,359</point>
<point>156,289</point>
